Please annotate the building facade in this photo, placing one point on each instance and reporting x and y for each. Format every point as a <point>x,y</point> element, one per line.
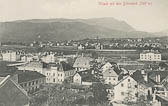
<point>31,81</point>
<point>150,56</point>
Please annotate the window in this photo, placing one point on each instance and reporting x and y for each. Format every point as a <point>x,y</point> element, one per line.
<point>109,78</point>
<point>36,81</point>
<point>113,78</point>
<point>128,80</point>
<point>29,83</point>
<point>122,85</point>
<point>122,93</point>
<point>53,74</point>
<point>33,83</point>
<point>54,80</point>
<point>58,74</point>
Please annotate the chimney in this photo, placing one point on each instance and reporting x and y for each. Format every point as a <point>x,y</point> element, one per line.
<point>146,77</point>
<point>158,78</point>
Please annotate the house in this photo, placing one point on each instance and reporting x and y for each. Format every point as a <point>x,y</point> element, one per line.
<point>150,56</point>
<point>57,73</point>
<point>82,63</point>
<point>108,65</point>
<point>111,75</point>
<point>11,56</point>
<point>34,66</point>
<point>125,90</point>
<point>145,85</point>
<point>31,81</point>
<point>81,47</point>
<point>26,58</point>
<point>49,58</point>
<point>12,94</point>
<point>54,72</point>
<point>84,78</point>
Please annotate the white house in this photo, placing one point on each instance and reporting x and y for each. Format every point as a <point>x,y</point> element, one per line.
<point>26,58</point>
<point>83,78</point>
<point>11,56</point>
<point>108,65</point>
<point>111,75</point>
<point>126,89</point>
<point>55,73</point>
<point>50,58</point>
<point>150,56</point>
<point>59,72</point>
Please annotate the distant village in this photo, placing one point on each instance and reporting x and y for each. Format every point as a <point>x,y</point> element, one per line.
<point>120,72</point>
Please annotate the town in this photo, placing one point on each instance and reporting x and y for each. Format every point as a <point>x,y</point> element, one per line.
<point>88,72</point>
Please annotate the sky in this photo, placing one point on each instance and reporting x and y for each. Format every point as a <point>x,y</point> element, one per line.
<point>151,18</point>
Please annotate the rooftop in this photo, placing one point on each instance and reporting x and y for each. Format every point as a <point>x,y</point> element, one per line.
<point>83,62</point>
<point>151,51</point>
<point>29,76</point>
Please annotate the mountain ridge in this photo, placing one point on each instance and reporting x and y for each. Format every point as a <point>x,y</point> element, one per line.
<point>64,29</point>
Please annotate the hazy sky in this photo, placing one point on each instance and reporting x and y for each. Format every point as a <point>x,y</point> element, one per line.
<point>151,18</point>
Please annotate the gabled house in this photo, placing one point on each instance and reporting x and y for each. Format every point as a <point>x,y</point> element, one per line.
<point>108,65</point>
<point>12,94</point>
<point>112,75</point>
<point>126,90</point>
<point>82,63</point>
<point>145,85</point>
<point>84,78</point>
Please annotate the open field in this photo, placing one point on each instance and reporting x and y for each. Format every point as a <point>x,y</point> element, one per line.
<point>134,54</point>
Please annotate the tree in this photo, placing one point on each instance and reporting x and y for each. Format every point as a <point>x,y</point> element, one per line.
<point>99,93</point>
<point>61,96</point>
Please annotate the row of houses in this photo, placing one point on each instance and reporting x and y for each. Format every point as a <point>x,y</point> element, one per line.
<point>125,84</point>
<point>47,57</point>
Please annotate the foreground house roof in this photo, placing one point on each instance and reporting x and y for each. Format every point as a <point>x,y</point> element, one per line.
<point>12,94</point>
<point>29,76</point>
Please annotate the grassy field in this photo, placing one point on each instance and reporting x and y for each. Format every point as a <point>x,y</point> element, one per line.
<point>72,50</point>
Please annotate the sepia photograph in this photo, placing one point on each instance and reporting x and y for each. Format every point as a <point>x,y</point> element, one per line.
<point>83,52</point>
